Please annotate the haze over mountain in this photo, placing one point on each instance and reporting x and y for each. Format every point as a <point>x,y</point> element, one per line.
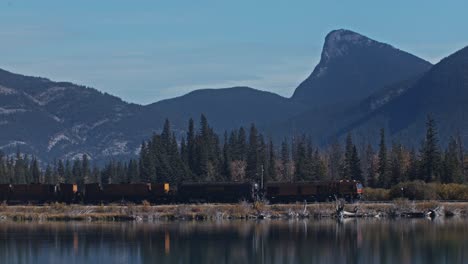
<point>359,84</point>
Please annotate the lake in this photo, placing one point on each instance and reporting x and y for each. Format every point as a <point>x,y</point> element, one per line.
<point>307,241</point>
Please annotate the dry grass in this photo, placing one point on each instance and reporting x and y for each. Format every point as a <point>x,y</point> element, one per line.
<point>243,210</point>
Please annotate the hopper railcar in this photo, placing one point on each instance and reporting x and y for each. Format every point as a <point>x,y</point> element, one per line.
<point>126,192</point>
<point>318,191</point>
<point>37,193</point>
<point>216,192</point>
<point>195,192</point>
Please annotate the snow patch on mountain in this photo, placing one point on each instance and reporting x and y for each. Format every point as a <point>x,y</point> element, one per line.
<point>5,111</point>
<point>6,91</point>
<point>13,143</point>
<point>50,95</point>
<point>116,148</point>
<point>56,139</point>
<point>98,123</point>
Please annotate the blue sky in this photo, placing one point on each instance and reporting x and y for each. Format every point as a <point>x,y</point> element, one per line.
<point>145,51</point>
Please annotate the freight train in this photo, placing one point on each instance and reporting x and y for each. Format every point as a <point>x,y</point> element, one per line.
<point>163,193</point>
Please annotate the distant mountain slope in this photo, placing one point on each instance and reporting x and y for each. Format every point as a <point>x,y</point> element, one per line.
<point>358,84</point>
<point>442,92</point>
<point>54,119</point>
<point>352,67</point>
<point>226,108</point>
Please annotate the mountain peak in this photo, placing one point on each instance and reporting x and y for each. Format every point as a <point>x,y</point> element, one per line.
<point>338,43</point>
<point>353,67</point>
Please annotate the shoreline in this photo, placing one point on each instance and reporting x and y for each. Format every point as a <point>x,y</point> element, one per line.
<point>149,213</point>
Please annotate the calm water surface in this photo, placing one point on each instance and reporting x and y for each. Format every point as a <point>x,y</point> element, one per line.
<point>312,241</point>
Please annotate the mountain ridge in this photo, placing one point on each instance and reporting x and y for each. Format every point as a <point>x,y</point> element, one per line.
<point>83,120</point>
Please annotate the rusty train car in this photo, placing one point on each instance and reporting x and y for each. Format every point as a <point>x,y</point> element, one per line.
<point>313,191</point>
<point>195,192</point>
<point>38,193</point>
<point>126,192</point>
<point>222,192</point>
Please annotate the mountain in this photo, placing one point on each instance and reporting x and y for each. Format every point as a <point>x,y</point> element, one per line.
<point>56,119</point>
<point>225,108</point>
<point>442,92</point>
<point>353,67</point>
<point>353,87</point>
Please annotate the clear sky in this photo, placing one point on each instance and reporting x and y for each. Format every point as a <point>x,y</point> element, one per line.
<point>145,51</point>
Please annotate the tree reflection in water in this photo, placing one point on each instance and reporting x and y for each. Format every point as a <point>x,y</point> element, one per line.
<point>308,241</point>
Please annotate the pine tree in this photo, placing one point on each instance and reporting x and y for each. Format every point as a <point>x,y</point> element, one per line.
<point>452,168</point>
<point>430,153</point>
<point>319,167</point>
<point>26,169</point>
<point>348,158</point>
<point>301,162</point>
<point>68,173</point>
<point>241,148</point>
<point>48,175</point>
<point>271,170</point>
<point>382,164</point>
<point>355,166</point>
<point>370,179</point>
<point>133,173</point>
<point>396,165</point>
<point>77,172</point>
<point>412,172</point>
<point>86,171</point>
<point>35,172</point>
<point>335,161</point>
<point>96,175</point>
<point>227,158</point>
<point>19,171</point>
<point>61,172</point>
<point>285,161</point>
<point>191,155</point>
<point>253,159</point>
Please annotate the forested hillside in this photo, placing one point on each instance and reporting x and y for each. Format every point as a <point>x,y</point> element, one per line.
<point>245,154</point>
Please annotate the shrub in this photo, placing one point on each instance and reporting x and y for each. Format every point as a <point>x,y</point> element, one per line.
<point>376,194</point>
<point>451,191</point>
<point>415,190</point>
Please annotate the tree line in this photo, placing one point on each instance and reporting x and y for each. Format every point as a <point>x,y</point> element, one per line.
<point>247,155</point>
